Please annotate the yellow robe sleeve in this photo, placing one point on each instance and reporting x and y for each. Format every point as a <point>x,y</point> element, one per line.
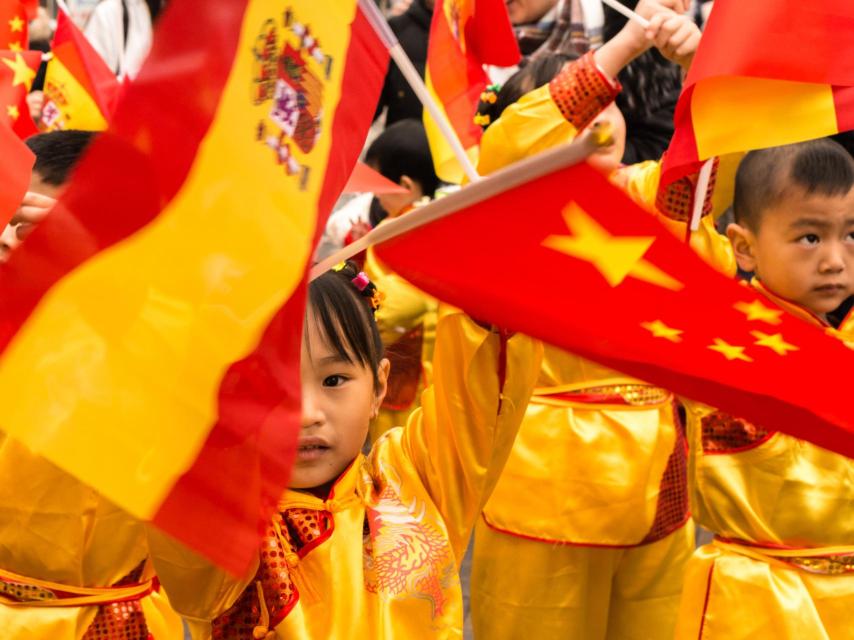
<point>197,589</point>
<point>461,437</point>
<point>548,116</point>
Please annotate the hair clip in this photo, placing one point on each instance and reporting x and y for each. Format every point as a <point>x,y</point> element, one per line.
<point>361,281</point>
<point>482,119</point>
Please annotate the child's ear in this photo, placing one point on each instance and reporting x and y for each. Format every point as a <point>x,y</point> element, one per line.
<point>412,186</point>
<point>743,241</point>
<point>382,386</point>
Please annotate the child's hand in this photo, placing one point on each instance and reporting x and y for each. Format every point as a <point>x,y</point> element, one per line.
<point>632,39</point>
<point>675,36</point>
<point>34,207</point>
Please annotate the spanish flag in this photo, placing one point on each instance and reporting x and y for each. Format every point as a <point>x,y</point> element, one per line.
<point>766,73</point>
<point>152,324</point>
<point>464,36</point>
<point>80,89</point>
<point>594,273</point>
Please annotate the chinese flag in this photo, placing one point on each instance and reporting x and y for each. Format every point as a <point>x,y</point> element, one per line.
<point>80,89</point>
<point>14,25</point>
<point>590,271</point>
<point>17,71</point>
<point>164,294</point>
<point>16,163</point>
<point>766,73</point>
<point>464,36</point>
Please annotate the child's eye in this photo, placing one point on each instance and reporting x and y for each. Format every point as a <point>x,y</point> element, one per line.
<point>334,381</point>
<point>809,239</point>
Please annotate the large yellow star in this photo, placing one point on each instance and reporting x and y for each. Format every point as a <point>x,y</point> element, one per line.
<point>616,257</point>
<point>774,342</point>
<point>730,351</point>
<point>16,24</point>
<point>661,330</point>
<point>757,311</point>
<point>23,74</point>
<point>13,112</point>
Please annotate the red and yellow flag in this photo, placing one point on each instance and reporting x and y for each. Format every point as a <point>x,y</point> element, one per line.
<point>464,36</point>
<point>14,26</point>
<point>152,323</point>
<point>766,73</point>
<point>17,71</point>
<point>597,275</point>
<point>80,89</point>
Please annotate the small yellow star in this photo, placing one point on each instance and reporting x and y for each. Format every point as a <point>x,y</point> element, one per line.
<point>16,24</point>
<point>757,311</point>
<point>16,47</point>
<point>615,257</point>
<point>774,342</point>
<point>661,330</point>
<point>23,74</point>
<point>729,351</point>
<point>13,112</point>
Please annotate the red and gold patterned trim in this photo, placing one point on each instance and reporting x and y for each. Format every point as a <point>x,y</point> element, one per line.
<point>119,616</point>
<point>723,433</point>
<point>581,91</point>
<point>826,561</point>
<point>676,200</point>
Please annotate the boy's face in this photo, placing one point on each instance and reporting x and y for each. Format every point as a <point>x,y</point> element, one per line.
<point>802,249</point>
<point>338,402</point>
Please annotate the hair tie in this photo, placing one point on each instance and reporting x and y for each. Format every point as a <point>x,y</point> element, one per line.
<point>361,281</point>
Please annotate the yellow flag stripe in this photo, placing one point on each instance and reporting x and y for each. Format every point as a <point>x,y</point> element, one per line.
<point>755,113</point>
<point>67,103</point>
<point>165,312</point>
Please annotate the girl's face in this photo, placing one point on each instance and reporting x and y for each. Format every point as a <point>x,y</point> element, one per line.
<point>339,399</point>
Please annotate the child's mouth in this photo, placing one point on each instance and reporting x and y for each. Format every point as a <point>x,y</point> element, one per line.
<point>311,451</point>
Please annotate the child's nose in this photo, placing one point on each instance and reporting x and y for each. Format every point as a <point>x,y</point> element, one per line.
<point>833,260</point>
<point>312,414</point>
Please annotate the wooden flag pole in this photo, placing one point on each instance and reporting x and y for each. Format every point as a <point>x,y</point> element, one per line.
<point>512,176</point>
<point>619,7</point>
<point>378,22</point>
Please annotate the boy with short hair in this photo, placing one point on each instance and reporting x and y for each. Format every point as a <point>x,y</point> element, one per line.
<point>782,562</point>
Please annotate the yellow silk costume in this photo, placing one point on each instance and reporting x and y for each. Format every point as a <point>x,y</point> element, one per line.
<point>407,323</point>
<point>587,532</point>
<point>63,551</point>
<point>783,563</point>
<point>782,509</point>
<point>380,557</point>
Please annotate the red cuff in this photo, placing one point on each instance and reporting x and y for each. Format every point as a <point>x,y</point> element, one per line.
<point>581,91</point>
<point>676,200</point>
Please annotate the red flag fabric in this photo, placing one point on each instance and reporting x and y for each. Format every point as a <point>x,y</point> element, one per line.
<point>366,180</point>
<point>16,164</point>
<point>464,36</point>
<point>174,267</point>
<point>766,73</point>
<point>597,275</point>
<point>17,71</point>
<point>31,8</point>
<point>14,26</point>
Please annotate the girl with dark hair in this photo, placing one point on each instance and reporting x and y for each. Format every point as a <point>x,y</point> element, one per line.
<point>369,546</point>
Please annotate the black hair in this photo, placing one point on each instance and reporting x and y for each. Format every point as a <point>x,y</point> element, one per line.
<point>346,318</point>
<point>764,176</point>
<point>57,153</point>
<point>403,150</point>
<point>535,73</point>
